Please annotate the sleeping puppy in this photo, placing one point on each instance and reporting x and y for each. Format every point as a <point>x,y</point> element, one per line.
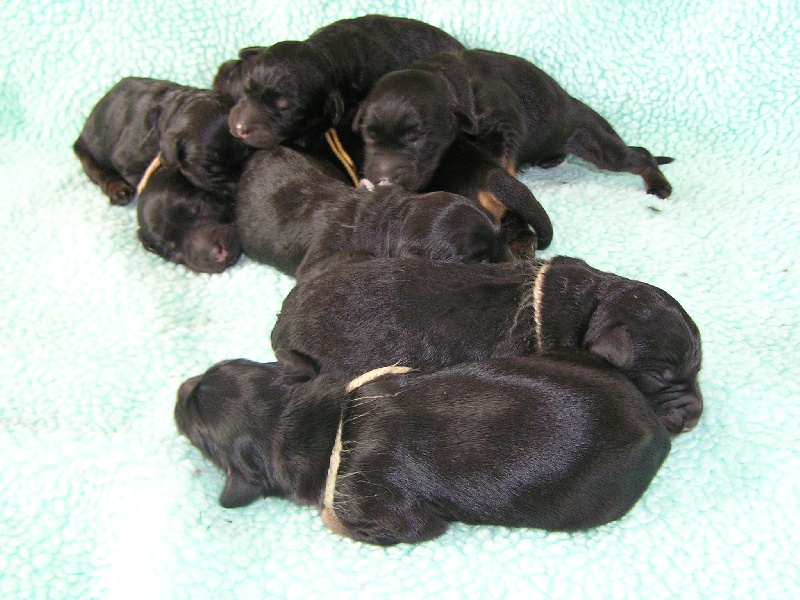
<point>392,457</point>
<point>293,91</point>
<point>186,225</point>
<point>359,315</point>
<point>140,118</point>
<point>293,211</point>
<point>514,110</point>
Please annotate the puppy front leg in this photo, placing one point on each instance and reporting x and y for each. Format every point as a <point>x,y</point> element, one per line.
<point>119,191</point>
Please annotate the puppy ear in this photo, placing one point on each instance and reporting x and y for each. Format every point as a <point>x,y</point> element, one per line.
<point>250,51</point>
<point>244,458</point>
<point>239,492</point>
<point>296,364</point>
<point>334,106</point>
<point>170,148</point>
<point>614,345</point>
<point>466,120</point>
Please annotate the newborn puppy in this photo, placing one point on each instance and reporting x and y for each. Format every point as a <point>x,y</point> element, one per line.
<point>186,225</point>
<point>138,118</point>
<point>555,443</point>
<point>293,211</point>
<point>293,91</point>
<point>357,316</point>
<point>514,110</point>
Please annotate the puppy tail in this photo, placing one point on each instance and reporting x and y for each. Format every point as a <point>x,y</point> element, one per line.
<point>519,199</point>
<point>663,160</point>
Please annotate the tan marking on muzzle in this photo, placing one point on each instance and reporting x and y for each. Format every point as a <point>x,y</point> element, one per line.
<point>148,172</point>
<point>336,453</point>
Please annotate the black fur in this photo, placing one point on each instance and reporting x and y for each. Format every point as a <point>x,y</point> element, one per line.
<point>186,225</point>
<point>293,91</point>
<point>139,117</point>
<point>514,110</point>
<point>293,212</point>
<point>360,315</point>
<point>558,443</point>
<point>470,171</point>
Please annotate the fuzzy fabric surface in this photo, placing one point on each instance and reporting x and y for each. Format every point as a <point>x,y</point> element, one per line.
<point>103,499</point>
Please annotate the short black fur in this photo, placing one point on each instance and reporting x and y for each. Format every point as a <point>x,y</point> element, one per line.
<point>510,107</point>
<point>559,443</point>
<point>186,225</point>
<point>140,117</point>
<point>293,212</point>
<point>293,91</point>
<point>364,314</point>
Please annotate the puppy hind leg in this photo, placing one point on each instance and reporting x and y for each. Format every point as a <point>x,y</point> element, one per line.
<point>119,191</point>
<point>601,146</point>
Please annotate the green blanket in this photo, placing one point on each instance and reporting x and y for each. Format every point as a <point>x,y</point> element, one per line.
<point>102,499</point>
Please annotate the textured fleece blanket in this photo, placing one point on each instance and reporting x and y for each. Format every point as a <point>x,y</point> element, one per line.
<point>101,498</point>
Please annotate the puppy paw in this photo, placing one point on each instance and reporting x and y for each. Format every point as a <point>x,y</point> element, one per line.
<point>661,191</point>
<point>119,192</point>
<point>658,185</point>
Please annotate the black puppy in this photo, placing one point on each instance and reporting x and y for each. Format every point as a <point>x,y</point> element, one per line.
<point>186,225</point>
<point>293,211</point>
<point>293,91</point>
<point>139,118</point>
<point>555,443</point>
<point>509,106</point>
<point>360,315</point>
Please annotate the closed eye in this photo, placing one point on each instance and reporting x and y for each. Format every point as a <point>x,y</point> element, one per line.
<point>411,136</point>
<point>651,382</point>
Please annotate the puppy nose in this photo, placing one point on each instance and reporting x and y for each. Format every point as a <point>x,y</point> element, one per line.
<point>242,130</point>
<point>218,253</point>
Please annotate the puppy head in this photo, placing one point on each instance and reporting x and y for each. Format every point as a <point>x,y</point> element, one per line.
<point>445,227</point>
<point>287,89</point>
<point>198,142</point>
<point>185,225</point>
<point>231,75</point>
<point>407,122</point>
<point>644,332</point>
<point>230,414</point>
